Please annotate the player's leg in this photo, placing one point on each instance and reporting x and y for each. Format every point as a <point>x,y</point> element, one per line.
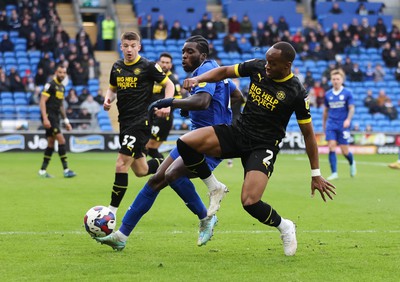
<point>331,138</point>
<point>343,142</point>
<point>192,147</point>
<point>48,152</point>
<point>62,152</point>
<point>152,148</point>
<point>396,165</point>
<point>120,185</point>
<point>255,182</point>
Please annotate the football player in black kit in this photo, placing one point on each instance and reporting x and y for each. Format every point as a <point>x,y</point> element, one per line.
<point>274,95</point>
<point>160,127</point>
<point>51,106</point>
<point>131,83</point>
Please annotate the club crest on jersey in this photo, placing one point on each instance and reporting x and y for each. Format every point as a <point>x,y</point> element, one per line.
<point>137,71</point>
<point>158,68</point>
<point>280,95</point>
<point>341,97</point>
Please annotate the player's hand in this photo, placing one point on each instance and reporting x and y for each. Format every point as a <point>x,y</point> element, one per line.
<point>323,186</point>
<point>189,83</point>
<point>164,112</point>
<point>68,126</point>
<point>46,123</point>
<point>107,105</point>
<point>159,104</point>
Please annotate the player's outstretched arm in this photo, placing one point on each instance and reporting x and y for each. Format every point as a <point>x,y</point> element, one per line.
<point>213,75</point>
<point>324,187</point>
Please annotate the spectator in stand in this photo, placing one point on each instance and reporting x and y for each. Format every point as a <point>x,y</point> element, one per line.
<point>355,45</point>
<point>298,74</point>
<point>379,73</point>
<point>93,69</point>
<point>260,30</point>
<point>209,33</point>
<point>345,35</point>
<point>282,25</point>
<point>13,21</point>
<point>161,31</point>
<point>198,30</point>
<point>318,94</point>
<point>329,52</point>
<point>365,28</point>
<point>85,119</point>
<point>386,48</point>
<point>91,105</point>
<point>347,66</point>
<point>397,72</point>
<point>3,20</point>
<point>380,27</point>
<point>394,58</point>
<point>370,102</point>
<point>40,77</point>
<point>308,80</point>
<point>160,19</point>
<point>394,35</point>
<point>99,98</point>
<point>305,53</point>
<point>254,39</point>
<point>244,45</point>
<point>25,29</point>
<point>246,26</point>
<point>108,32</point>
<point>4,82</point>
<point>78,75</point>
<point>230,43</point>
<point>146,28</point>
<point>355,73</point>
<point>369,72</point>
<point>204,20</point>
<point>15,81</point>
<point>218,24</point>
<point>372,40</point>
<point>385,105</point>
<point>35,96</point>
<point>233,25</point>
<point>177,32</point>
<point>271,27</point>
<point>362,10</point>
<point>267,39</point>
<point>61,35</point>
<point>32,42</point>
<point>73,107</point>
<point>45,39</point>
<point>44,63</point>
<point>213,53</point>
<point>83,95</point>
<point>6,45</point>
<point>335,9</point>
<point>368,128</point>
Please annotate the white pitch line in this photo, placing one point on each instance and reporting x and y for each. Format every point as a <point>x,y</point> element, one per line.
<point>187,232</point>
<point>346,162</point>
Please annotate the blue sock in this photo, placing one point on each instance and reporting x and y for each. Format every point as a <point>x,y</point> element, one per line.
<point>350,158</point>
<point>143,202</point>
<point>185,189</point>
<point>333,161</point>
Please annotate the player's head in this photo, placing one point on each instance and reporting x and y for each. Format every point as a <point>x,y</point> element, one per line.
<point>61,72</point>
<point>279,60</point>
<point>337,78</point>
<point>165,62</point>
<point>130,46</point>
<point>194,52</point>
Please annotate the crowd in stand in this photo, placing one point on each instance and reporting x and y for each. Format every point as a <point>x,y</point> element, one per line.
<point>39,23</point>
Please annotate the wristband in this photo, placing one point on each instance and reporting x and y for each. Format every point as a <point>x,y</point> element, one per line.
<point>66,121</point>
<point>315,172</point>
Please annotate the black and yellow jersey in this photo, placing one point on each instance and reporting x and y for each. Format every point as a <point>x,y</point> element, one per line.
<point>159,91</point>
<point>55,91</point>
<point>134,86</point>
<point>270,103</point>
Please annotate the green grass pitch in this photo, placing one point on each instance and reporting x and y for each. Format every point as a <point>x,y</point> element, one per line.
<point>353,238</point>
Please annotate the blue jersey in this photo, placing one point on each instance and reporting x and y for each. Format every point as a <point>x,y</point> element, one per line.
<point>219,111</point>
<point>338,107</point>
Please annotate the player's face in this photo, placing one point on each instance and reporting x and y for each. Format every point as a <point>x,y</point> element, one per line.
<point>165,63</point>
<point>61,73</point>
<point>191,57</point>
<point>130,49</point>
<point>337,81</point>
<point>277,67</point>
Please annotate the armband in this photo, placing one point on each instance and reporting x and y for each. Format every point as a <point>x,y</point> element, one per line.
<point>315,172</point>
<point>66,121</point>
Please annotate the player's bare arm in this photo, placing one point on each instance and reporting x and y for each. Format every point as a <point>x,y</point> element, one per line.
<point>213,75</point>
<point>43,110</point>
<point>324,187</point>
<point>347,121</point>
<point>111,95</point>
<point>68,125</point>
<point>169,93</point>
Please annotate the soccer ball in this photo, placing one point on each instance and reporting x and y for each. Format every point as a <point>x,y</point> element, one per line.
<point>99,221</point>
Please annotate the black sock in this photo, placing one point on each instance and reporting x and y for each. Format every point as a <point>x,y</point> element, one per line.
<point>47,157</point>
<point>193,160</point>
<point>154,153</point>
<point>119,189</point>
<point>63,155</point>
<point>153,165</point>
<point>264,213</point>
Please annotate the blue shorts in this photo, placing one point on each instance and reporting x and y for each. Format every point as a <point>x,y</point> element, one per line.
<point>211,161</point>
<point>341,136</point>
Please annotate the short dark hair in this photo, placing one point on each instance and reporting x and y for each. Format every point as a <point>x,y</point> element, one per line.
<point>202,43</point>
<point>130,35</point>
<point>287,50</point>
<point>165,54</point>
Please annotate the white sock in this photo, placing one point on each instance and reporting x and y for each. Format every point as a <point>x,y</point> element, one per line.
<point>284,225</point>
<point>42,171</point>
<point>66,170</point>
<point>211,182</point>
<point>113,209</point>
<point>121,236</point>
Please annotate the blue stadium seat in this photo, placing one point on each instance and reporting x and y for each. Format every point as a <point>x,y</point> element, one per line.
<point>34,112</point>
<point>7,102</point>
<point>8,112</point>
<point>21,102</point>
<point>6,95</point>
<point>22,112</point>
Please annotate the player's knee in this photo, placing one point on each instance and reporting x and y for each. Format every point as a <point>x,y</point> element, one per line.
<point>171,175</point>
<point>157,181</point>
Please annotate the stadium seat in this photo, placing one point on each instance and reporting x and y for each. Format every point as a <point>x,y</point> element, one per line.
<point>8,112</point>
<point>7,101</point>
<point>34,113</point>
<point>22,112</point>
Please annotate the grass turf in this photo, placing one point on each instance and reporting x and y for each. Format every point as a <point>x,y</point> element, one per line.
<point>353,238</point>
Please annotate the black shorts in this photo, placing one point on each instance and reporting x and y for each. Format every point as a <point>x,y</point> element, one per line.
<point>55,126</point>
<point>254,156</point>
<point>133,140</point>
<point>160,128</point>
